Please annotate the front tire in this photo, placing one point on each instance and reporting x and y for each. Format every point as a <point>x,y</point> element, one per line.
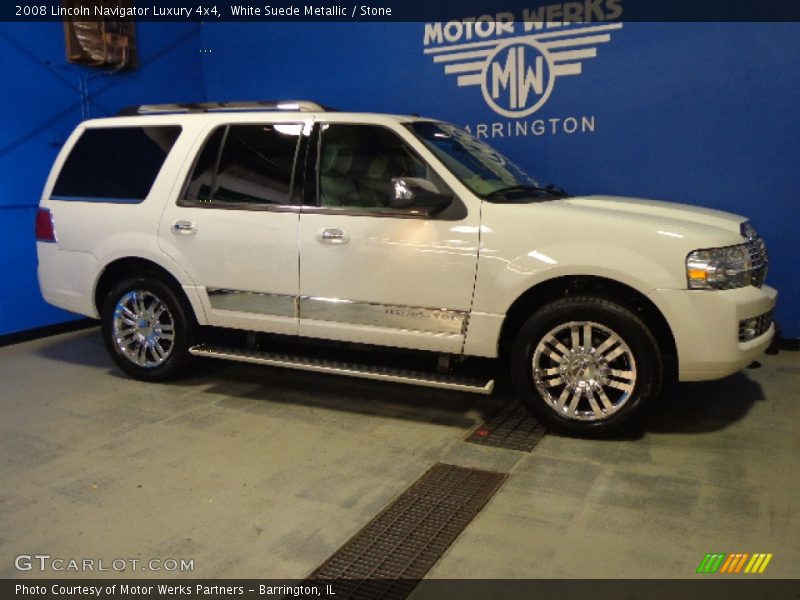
<point>147,329</point>
<point>587,366</point>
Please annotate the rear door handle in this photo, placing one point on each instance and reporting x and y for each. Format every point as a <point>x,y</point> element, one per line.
<point>184,227</point>
<point>332,235</point>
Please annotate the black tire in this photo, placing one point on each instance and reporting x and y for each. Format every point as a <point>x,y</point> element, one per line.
<point>184,330</point>
<point>630,382</point>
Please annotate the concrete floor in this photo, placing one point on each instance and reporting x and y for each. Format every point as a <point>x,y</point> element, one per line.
<point>259,472</point>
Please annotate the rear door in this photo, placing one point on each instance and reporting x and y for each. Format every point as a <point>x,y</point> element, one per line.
<point>234,226</point>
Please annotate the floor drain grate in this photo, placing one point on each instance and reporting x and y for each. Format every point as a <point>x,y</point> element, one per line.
<point>512,428</point>
<point>388,557</point>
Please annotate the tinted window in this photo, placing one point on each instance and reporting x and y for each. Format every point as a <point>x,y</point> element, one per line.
<point>254,167</point>
<point>479,166</point>
<point>115,164</point>
<point>202,180</point>
<point>357,164</point>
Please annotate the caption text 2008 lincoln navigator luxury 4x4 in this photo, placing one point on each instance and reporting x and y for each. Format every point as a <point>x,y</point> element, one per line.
<point>174,221</point>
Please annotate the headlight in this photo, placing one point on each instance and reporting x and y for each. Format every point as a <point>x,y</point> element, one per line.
<point>719,268</point>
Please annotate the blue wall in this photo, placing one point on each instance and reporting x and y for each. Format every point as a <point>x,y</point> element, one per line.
<point>41,105</point>
<point>701,113</point>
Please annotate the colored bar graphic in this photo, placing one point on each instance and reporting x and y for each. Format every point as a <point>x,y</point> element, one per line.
<point>758,563</point>
<point>734,563</point>
<point>711,563</point>
<point>729,563</point>
<point>723,563</point>
<point>741,562</point>
<point>765,563</point>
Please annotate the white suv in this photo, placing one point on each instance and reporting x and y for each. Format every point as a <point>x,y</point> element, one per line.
<point>174,221</point>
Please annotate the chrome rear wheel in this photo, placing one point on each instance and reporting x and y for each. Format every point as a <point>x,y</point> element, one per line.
<point>148,327</point>
<point>143,329</point>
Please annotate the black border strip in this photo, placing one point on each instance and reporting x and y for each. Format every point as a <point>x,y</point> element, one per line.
<point>699,587</point>
<point>282,11</point>
<point>28,335</point>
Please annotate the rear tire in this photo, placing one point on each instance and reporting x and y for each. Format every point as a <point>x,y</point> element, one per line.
<point>148,329</point>
<point>587,366</point>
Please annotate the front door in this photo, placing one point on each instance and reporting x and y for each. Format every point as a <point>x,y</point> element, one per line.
<point>372,273</point>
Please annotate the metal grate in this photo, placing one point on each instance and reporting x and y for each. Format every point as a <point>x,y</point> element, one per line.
<point>512,428</point>
<point>388,557</point>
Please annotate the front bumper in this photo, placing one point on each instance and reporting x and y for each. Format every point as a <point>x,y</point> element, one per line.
<point>705,325</point>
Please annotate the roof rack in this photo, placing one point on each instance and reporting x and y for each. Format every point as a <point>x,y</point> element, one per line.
<point>204,107</point>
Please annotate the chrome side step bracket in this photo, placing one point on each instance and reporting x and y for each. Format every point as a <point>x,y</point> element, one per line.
<point>421,378</point>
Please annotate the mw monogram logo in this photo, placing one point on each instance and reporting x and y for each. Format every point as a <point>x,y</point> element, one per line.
<point>517,63</point>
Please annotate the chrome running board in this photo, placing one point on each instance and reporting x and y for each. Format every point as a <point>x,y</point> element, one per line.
<point>421,378</point>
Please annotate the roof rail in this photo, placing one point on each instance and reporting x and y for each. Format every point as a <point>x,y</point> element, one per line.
<point>203,107</point>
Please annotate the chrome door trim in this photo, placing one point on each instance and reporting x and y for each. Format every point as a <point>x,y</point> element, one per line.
<point>396,213</point>
<point>336,310</point>
<point>274,305</point>
<point>216,204</point>
<point>428,320</point>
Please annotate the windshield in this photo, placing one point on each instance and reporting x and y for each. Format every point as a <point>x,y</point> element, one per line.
<point>479,166</point>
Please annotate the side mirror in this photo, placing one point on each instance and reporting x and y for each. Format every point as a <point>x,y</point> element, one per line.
<point>418,193</point>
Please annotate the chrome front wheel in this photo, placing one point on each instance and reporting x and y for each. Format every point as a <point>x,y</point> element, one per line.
<point>587,365</point>
<point>584,370</point>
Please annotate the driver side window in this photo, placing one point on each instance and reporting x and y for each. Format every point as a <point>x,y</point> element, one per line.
<point>358,162</point>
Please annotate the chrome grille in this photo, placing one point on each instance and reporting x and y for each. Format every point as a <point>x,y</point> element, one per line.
<point>758,257</point>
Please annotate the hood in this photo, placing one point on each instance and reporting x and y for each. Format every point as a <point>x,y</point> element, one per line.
<point>642,243</point>
<point>679,216</point>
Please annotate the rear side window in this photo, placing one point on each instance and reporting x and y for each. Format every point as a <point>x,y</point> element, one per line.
<point>242,166</point>
<point>116,164</point>
<point>201,181</point>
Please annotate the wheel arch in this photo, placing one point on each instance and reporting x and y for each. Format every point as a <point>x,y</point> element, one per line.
<point>133,266</point>
<point>570,285</point>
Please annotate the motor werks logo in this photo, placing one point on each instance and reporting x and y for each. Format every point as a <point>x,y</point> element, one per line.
<point>517,59</point>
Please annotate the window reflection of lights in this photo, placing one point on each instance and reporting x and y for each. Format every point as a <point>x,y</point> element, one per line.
<point>288,128</point>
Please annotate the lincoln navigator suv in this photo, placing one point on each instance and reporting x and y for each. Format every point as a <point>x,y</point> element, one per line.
<point>285,220</point>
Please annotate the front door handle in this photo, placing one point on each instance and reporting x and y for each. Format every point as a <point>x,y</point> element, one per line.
<point>184,227</point>
<point>332,235</point>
